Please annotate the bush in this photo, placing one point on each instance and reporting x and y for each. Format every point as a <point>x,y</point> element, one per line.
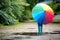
<point>12,10</point>
<point>5,18</point>
<point>56,21</point>
<point>55,7</point>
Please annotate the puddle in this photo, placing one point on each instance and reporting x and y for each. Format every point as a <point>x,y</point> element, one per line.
<point>30,33</point>
<point>33,36</point>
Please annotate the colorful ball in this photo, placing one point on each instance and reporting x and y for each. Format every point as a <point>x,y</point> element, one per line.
<point>42,13</point>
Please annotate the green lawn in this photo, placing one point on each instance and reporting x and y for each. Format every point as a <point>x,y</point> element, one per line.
<point>11,26</point>
<point>56,21</point>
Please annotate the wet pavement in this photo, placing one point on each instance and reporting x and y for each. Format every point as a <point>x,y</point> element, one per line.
<point>31,27</point>
<point>28,37</point>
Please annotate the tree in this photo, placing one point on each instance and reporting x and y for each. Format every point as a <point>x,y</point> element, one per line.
<point>12,10</point>
<point>38,1</point>
<point>56,1</point>
<point>55,7</point>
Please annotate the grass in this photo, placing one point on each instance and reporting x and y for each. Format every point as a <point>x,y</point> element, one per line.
<point>1,25</point>
<point>11,26</point>
<point>56,21</point>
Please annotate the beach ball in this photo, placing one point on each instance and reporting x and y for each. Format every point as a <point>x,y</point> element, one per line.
<point>42,13</point>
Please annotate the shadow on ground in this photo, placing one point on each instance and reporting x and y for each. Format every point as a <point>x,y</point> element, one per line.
<point>32,36</point>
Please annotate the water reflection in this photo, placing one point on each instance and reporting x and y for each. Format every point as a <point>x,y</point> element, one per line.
<point>48,36</point>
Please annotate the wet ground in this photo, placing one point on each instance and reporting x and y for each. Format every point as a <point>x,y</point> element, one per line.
<point>31,27</point>
<point>28,31</point>
<point>31,37</point>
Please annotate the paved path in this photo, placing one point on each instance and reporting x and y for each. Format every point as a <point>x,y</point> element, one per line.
<point>32,27</point>
<point>26,37</point>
